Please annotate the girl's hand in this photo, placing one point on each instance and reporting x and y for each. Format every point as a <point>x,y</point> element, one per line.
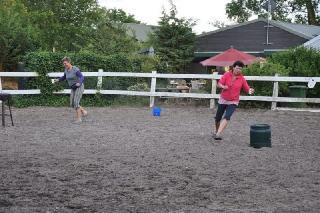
<point>251,91</point>
<point>225,87</point>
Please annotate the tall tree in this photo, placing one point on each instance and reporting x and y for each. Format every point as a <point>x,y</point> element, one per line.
<point>16,33</point>
<point>174,40</point>
<point>299,11</point>
<point>218,24</point>
<point>64,25</point>
<point>109,36</point>
<point>119,15</point>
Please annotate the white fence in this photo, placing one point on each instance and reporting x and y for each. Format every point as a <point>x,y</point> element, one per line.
<point>153,93</point>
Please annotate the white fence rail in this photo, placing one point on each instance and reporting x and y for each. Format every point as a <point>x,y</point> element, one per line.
<point>153,93</point>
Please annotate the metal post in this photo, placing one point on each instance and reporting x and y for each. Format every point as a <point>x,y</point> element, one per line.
<point>268,22</point>
<point>153,88</point>
<point>275,93</point>
<point>3,114</point>
<point>0,88</point>
<point>213,90</point>
<point>99,82</point>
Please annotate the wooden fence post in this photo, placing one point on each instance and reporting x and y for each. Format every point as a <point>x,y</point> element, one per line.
<point>153,88</point>
<point>275,93</point>
<point>213,90</point>
<point>99,82</point>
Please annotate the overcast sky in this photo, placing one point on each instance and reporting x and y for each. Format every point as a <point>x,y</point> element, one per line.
<point>149,11</point>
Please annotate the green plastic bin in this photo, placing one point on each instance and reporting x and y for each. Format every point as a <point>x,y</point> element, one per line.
<point>298,91</point>
<point>260,135</point>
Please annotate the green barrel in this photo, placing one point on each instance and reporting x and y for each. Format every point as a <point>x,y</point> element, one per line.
<point>260,135</point>
<point>298,91</point>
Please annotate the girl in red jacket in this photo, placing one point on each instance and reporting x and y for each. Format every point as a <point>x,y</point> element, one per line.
<point>231,84</point>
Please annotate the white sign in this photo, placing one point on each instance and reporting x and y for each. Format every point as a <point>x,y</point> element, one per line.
<point>312,82</point>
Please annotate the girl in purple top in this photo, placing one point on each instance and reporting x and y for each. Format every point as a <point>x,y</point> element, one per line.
<point>75,80</point>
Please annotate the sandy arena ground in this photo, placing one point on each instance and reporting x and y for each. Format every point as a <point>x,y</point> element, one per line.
<point>126,160</point>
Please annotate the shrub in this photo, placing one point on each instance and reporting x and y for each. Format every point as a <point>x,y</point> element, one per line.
<point>264,88</point>
<point>301,62</point>
<point>46,62</point>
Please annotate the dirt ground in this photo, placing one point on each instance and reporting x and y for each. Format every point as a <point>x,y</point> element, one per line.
<point>126,160</point>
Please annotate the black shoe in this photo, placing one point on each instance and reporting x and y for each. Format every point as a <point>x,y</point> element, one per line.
<point>217,137</point>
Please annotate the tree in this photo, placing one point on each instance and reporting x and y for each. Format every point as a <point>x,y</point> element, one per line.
<point>118,15</point>
<point>73,25</point>
<point>218,24</point>
<point>16,33</point>
<point>299,11</point>
<point>109,36</point>
<point>64,25</point>
<point>174,41</point>
<point>61,25</point>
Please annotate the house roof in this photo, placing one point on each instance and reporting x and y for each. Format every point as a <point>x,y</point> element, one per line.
<point>140,31</point>
<point>313,43</point>
<point>307,31</point>
<point>302,30</point>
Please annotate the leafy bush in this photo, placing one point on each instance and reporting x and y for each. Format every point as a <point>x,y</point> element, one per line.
<point>301,62</point>
<point>264,88</point>
<point>46,62</point>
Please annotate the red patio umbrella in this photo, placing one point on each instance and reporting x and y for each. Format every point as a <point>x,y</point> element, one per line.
<point>228,57</point>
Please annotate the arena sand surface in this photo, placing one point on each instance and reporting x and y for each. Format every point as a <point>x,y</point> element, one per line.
<point>126,160</point>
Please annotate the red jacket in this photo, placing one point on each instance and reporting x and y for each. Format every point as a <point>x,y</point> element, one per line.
<point>234,88</point>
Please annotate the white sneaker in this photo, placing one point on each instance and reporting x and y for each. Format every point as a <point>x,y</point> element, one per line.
<point>77,121</point>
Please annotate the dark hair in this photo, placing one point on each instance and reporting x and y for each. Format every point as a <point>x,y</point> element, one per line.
<point>67,59</point>
<point>238,63</point>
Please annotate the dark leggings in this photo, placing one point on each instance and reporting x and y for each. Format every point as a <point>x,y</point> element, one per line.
<point>228,108</point>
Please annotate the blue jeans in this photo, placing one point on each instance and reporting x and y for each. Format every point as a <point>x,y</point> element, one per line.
<point>227,109</point>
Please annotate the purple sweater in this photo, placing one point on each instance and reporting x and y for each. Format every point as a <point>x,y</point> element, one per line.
<point>73,76</point>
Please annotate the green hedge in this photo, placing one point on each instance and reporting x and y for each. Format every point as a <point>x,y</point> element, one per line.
<point>295,62</point>
<point>299,61</point>
<point>264,88</point>
<point>303,62</point>
<point>46,62</point>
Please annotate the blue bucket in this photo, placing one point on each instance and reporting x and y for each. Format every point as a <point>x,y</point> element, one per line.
<point>156,111</point>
